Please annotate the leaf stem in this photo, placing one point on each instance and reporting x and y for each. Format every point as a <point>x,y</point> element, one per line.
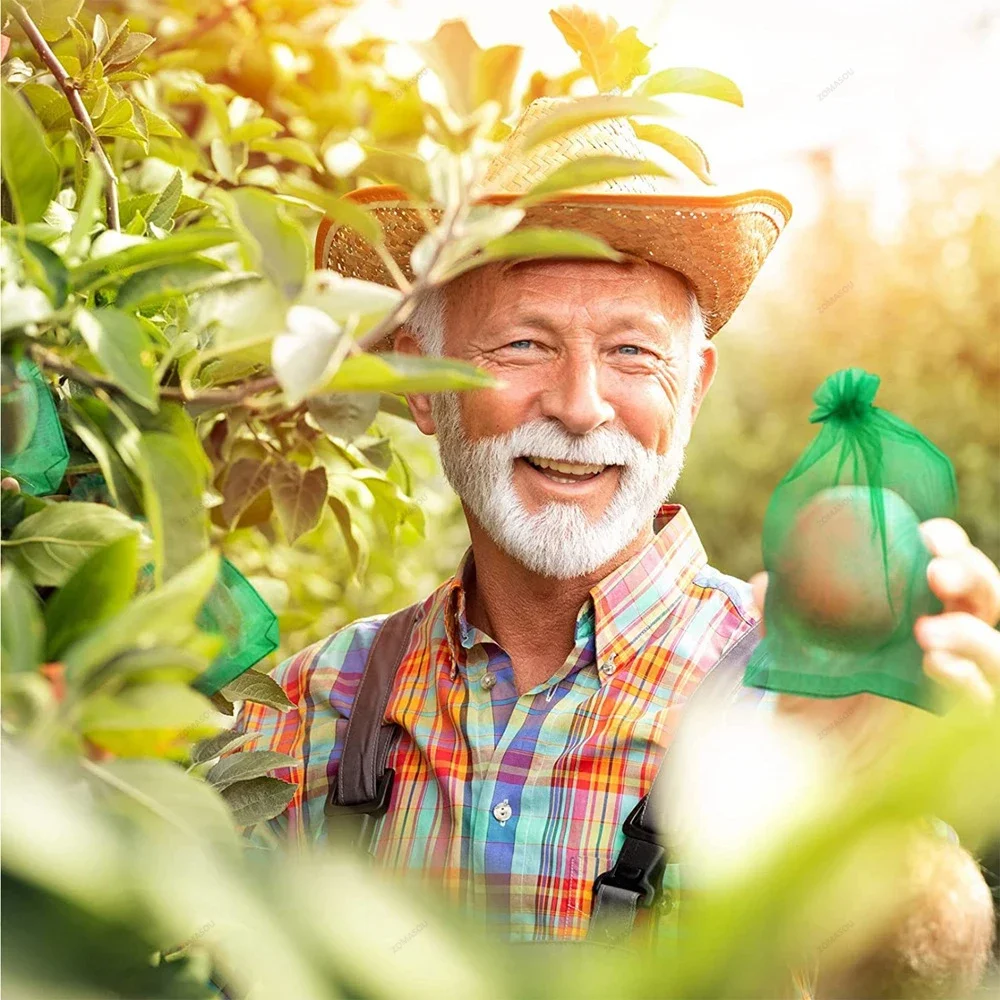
<point>69,88</point>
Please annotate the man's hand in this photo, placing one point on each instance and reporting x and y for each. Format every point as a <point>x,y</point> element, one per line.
<point>961,646</point>
<point>942,944</point>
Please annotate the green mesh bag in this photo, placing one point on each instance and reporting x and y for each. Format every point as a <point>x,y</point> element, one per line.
<point>234,610</point>
<point>34,448</point>
<point>847,568</point>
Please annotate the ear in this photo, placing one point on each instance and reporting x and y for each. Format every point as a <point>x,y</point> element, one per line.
<point>420,402</point>
<point>710,354</point>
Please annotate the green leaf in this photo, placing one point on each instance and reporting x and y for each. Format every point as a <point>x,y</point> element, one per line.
<point>691,80</point>
<point>119,342</point>
<point>156,618</point>
<point>260,128</point>
<point>258,799</point>
<point>343,299</point>
<point>584,110</point>
<point>89,210</point>
<point>176,246</point>
<point>103,434</point>
<point>45,269</point>
<point>495,74</point>
<point>29,169</point>
<point>229,159</point>
<point>452,54</point>
<point>612,58</point>
<point>287,148</point>
<point>298,496</point>
<point>590,170</point>
<point>252,685</point>
<point>228,740</point>
<point>52,16</point>
<point>395,405</point>
<point>167,201</point>
<point>22,635</point>
<point>343,211</point>
<point>344,415</point>
<point>247,764</point>
<point>126,49</point>
<point>536,241</point>
<point>157,286</point>
<point>159,126</point>
<point>405,373</point>
<point>305,352</point>
<point>391,167</point>
<point>379,453</point>
<point>679,146</point>
<point>174,484</point>
<point>161,664</point>
<point>148,720</point>
<point>97,591</point>
<point>50,546</point>
<point>354,539</point>
<point>275,246</point>
<point>160,791</point>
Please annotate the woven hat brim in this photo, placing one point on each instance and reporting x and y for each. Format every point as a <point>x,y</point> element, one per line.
<point>718,242</point>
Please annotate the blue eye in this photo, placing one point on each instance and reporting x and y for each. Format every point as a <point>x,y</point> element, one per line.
<point>520,343</point>
<point>630,349</point>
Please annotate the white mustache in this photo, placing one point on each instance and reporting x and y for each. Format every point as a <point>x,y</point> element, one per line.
<point>545,438</point>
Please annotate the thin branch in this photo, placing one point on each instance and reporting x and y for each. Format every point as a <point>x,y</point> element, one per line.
<point>80,112</point>
<point>405,306</point>
<point>234,396</point>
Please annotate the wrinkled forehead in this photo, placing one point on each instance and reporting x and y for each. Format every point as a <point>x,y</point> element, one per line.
<point>503,285</point>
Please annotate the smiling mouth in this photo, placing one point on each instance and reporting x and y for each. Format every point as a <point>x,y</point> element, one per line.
<point>564,472</point>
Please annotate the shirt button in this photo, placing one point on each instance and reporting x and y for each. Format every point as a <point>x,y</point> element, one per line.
<point>608,666</point>
<point>502,812</point>
<point>488,682</point>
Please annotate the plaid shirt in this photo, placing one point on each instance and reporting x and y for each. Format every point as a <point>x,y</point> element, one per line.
<point>514,803</point>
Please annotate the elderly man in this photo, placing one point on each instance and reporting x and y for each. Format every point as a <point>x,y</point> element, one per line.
<point>526,704</point>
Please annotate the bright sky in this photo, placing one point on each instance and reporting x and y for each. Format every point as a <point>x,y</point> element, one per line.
<point>919,81</point>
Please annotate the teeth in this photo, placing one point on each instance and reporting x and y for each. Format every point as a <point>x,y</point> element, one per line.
<point>574,468</point>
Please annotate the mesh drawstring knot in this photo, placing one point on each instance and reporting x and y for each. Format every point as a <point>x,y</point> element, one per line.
<point>847,394</point>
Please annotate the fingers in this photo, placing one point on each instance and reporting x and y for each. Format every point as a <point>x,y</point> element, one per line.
<point>967,581</point>
<point>961,576</point>
<point>958,675</point>
<point>961,650</point>
<point>943,536</point>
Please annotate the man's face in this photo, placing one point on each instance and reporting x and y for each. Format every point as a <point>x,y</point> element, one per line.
<point>568,458</point>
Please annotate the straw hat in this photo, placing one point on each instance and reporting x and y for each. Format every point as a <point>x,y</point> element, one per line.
<point>718,242</point>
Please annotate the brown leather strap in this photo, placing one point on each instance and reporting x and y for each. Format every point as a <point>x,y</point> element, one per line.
<point>369,736</point>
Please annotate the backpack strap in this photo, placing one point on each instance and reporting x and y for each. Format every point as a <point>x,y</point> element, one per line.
<point>636,879</point>
<point>364,783</point>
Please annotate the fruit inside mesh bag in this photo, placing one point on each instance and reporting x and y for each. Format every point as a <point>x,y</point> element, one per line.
<point>847,567</point>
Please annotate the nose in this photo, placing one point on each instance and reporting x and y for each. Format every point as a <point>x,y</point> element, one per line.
<point>575,398</point>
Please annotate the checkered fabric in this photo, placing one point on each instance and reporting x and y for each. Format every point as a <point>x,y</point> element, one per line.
<point>514,803</point>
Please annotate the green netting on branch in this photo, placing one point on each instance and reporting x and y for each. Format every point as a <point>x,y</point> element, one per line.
<point>34,448</point>
<point>847,568</point>
<point>243,618</point>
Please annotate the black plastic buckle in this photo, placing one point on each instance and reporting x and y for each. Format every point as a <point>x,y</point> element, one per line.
<point>367,812</point>
<point>641,864</point>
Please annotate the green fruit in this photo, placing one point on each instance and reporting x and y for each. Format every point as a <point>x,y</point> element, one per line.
<point>838,587</point>
<point>18,411</point>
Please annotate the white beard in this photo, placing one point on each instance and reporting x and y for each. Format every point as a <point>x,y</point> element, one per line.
<point>559,540</point>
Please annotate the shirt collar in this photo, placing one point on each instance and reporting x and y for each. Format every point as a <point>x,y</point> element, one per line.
<point>622,608</point>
